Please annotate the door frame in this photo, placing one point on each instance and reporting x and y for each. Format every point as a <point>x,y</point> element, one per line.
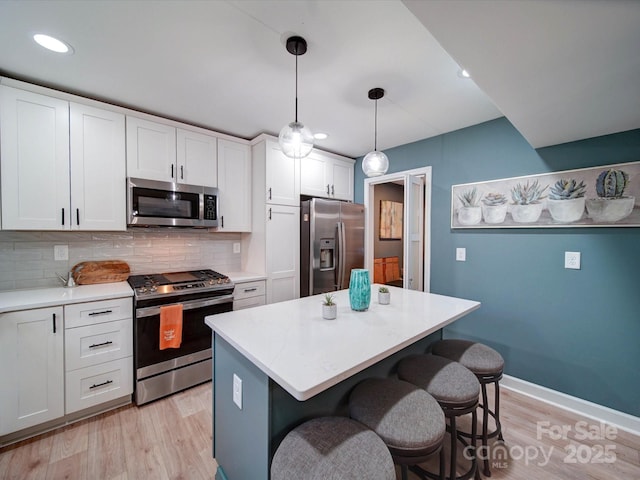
<point>369,184</point>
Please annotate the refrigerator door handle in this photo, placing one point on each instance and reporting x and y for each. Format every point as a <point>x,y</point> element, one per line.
<point>341,255</point>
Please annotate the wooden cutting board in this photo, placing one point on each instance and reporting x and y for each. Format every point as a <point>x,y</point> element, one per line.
<point>104,271</point>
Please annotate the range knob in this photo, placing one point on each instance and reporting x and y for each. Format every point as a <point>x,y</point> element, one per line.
<point>153,288</point>
<point>219,280</point>
<point>212,281</point>
<point>227,280</point>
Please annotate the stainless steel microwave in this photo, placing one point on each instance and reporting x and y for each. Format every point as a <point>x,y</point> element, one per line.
<point>153,203</point>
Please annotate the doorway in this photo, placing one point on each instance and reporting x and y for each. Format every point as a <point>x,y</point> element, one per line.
<point>399,254</point>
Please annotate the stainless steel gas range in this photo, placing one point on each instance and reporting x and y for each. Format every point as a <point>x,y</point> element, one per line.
<point>160,372</point>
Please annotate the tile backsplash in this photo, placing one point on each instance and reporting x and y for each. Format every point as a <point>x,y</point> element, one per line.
<point>27,259</point>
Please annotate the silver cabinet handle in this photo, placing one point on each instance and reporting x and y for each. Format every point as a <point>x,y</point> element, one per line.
<point>100,384</point>
<point>332,190</point>
<point>103,344</point>
<point>181,172</point>
<point>269,193</point>
<point>247,290</point>
<point>327,189</point>
<point>104,312</point>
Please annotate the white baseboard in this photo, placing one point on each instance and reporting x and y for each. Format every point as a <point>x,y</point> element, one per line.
<point>621,420</point>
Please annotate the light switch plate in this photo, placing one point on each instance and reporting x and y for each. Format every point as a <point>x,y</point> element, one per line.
<point>461,254</point>
<point>236,247</point>
<point>237,391</point>
<point>572,260</point>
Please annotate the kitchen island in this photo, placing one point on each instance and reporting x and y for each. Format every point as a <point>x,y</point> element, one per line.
<point>285,364</point>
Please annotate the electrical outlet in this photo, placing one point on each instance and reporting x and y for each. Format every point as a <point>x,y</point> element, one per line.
<point>237,391</point>
<point>61,252</point>
<point>461,254</point>
<point>572,260</point>
<point>236,247</point>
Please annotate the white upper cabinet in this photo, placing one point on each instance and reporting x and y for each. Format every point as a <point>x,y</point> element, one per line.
<point>234,184</point>
<point>35,161</point>
<point>196,158</point>
<point>282,175</point>
<point>98,170</point>
<point>158,151</point>
<point>151,150</point>
<point>324,175</point>
<point>63,165</point>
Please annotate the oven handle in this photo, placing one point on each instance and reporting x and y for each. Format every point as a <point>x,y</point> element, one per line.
<point>188,305</point>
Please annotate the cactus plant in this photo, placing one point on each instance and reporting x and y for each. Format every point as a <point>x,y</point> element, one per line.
<point>383,290</point>
<point>611,183</point>
<point>328,299</point>
<point>527,194</point>
<point>494,199</point>
<point>469,198</point>
<point>567,190</point>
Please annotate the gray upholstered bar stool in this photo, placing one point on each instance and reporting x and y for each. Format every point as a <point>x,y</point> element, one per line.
<point>404,416</point>
<point>487,365</point>
<point>336,448</point>
<point>457,390</point>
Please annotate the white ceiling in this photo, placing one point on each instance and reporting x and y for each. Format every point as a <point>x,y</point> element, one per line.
<point>223,64</point>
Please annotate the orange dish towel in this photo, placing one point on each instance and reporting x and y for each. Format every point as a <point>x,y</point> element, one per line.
<point>170,326</point>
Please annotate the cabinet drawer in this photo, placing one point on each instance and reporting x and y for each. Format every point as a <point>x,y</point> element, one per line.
<point>249,289</point>
<point>249,302</point>
<point>94,385</point>
<point>94,344</point>
<point>90,313</point>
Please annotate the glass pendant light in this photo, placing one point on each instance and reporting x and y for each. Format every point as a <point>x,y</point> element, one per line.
<point>295,139</point>
<point>375,163</point>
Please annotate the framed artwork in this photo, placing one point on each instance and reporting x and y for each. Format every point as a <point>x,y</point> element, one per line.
<point>607,196</point>
<point>390,220</point>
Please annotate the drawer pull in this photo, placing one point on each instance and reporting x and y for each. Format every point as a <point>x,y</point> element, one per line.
<point>104,312</point>
<point>100,384</point>
<point>247,290</point>
<point>54,323</point>
<point>95,345</point>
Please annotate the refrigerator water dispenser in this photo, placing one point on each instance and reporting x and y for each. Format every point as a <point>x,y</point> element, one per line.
<point>327,253</point>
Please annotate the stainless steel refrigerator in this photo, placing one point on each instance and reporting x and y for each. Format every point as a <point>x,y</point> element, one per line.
<point>332,243</point>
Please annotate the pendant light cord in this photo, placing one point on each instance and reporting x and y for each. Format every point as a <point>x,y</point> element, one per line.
<point>375,129</point>
<point>296,88</point>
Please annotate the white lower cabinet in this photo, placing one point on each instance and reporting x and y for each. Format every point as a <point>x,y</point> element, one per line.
<point>283,253</point>
<point>31,367</point>
<point>249,294</point>
<point>98,352</point>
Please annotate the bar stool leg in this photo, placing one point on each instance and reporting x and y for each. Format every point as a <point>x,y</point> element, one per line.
<point>485,429</point>
<point>497,410</point>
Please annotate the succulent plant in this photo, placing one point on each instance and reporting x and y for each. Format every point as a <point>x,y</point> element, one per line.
<point>469,198</point>
<point>527,194</point>
<point>567,190</point>
<point>328,299</point>
<point>494,199</point>
<point>611,183</point>
<point>383,290</point>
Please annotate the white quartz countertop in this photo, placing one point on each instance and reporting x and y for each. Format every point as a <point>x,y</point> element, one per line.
<point>305,354</point>
<point>240,277</point>
<point>48,297</point>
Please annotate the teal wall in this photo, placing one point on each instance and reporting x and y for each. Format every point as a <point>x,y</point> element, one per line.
<point>574,331</point>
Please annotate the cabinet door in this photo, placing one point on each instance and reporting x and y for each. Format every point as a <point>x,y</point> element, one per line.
<point>342,180</point>
<point>98,169</point>
<point>283,253</point>
<point>32,366</point>
<point>35,161</point>
<point>282,176</point>
<point>196,156</point>
<point>314,176</point>
<point>234,185</point>
<point>151,150</point>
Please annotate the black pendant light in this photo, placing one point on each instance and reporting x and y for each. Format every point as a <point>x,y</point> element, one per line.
<point>295,139</point>
<point>375,163</point>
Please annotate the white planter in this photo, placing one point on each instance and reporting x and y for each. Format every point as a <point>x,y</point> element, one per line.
<point>494,213</point>
<point>329,312</point>
<point>469,215</point>
<point>610,209</point>
<point>384,298</point>
<point>526,213</point>
<point>566,211</point>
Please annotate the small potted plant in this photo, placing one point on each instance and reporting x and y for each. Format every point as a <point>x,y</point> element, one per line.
<point>566,200</point>
<point>611,205</point>
<point>494,208</point>
<point>329,307</point>
<point>527,207</point>
<point>384,296</point>
<point>469,213</point>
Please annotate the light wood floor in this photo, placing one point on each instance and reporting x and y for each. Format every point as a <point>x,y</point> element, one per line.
<point>171,439</point>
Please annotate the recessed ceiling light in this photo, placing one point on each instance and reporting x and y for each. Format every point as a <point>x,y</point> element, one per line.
<point>320,136</point>
<point>53,44</point>
<point>463,73</point>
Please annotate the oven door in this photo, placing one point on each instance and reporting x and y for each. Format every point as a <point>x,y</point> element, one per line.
<point>196,335</point>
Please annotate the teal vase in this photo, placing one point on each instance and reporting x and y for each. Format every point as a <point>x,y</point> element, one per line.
<point>359,289</point>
